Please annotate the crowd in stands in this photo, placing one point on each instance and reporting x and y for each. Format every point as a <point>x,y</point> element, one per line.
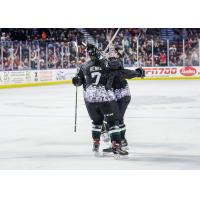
<point>145,47</point>
<point>53,48</point>
<point>40,55</point>
<point>40,34</point>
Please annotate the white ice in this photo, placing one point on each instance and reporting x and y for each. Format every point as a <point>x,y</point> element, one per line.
<point>163,128</point>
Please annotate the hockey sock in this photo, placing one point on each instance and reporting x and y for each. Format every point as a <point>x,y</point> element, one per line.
<point>122,131</point>
<point>115,134</point>
<point>96,132</point>
<point>105,127</point>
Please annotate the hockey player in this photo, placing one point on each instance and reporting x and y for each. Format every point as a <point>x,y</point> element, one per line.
<point>100,99</point>
<point>121,90</point>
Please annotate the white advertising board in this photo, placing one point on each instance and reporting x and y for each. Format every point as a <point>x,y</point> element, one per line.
<point>35,76</point>
<point>162,72</point>
<point>58,75</point>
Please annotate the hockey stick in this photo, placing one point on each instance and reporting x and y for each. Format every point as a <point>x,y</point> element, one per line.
<point>76,94</point>
<point>110,42</point>
<point>75,120</point>
<point>112,39</point>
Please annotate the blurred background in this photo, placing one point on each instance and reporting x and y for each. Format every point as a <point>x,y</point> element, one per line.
<point>56,48</point>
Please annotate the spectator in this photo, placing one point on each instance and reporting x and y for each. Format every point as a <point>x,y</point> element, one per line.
<point>34,64</point>
<point>3,37</point>
<point>163,59</point>
<point>44,36</point>
<point>194,57</point>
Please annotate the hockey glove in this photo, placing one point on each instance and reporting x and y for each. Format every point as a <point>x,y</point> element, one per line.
<point>141,72</point>
<point>76,81</point>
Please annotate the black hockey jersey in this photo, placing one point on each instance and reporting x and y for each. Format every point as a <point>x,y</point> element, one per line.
<point>117,80</point>
<point>94,77</point>
<point>105,81</point>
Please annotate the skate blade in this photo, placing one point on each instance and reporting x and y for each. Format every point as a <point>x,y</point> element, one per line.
<point>97,154</point>
<point>125,148</point>
<point>106,141</point>
<point>107,154</point>
<point>120,157</point>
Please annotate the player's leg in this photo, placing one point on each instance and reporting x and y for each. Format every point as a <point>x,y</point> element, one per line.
<point>97,120</point>
<point>104,133</point>
<point>111,113</point>
<point>123,104</point>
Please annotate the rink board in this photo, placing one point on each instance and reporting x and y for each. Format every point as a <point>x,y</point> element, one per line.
<point>14,79</point>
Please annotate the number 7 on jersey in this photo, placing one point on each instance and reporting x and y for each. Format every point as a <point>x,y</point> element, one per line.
<point>97,75</point>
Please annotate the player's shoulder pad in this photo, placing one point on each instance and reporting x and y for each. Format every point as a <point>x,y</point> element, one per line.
<point>87,64</point>
<point>116,63</point>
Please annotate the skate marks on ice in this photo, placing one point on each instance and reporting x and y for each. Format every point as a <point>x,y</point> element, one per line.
<point>86,117</point>
<point>45,156</point>
<point>155,100</point>
<point>164,103</point>
<point>33,105</point>
<point>155,156</point>
<point>36,124</point>
<point>165,156</point>
<point>156,161</point>
<point>79,156</point>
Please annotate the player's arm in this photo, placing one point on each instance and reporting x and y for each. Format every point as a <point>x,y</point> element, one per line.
<point>111,64</point>
<point>79,79</point>
<point>112,75</point>
<point>128,74</point>
<point>115,64</point>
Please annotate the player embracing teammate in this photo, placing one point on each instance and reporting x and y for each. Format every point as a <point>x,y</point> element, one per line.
<point>106,96</point>
<point>117,79</point>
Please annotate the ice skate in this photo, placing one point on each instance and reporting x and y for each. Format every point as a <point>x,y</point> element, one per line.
<point>96,146</point>
<point>107,151</point>
<point>124,144</point>
<point>118,151</point>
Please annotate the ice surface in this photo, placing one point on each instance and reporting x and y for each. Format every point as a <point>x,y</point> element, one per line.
<point>163,128</point>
